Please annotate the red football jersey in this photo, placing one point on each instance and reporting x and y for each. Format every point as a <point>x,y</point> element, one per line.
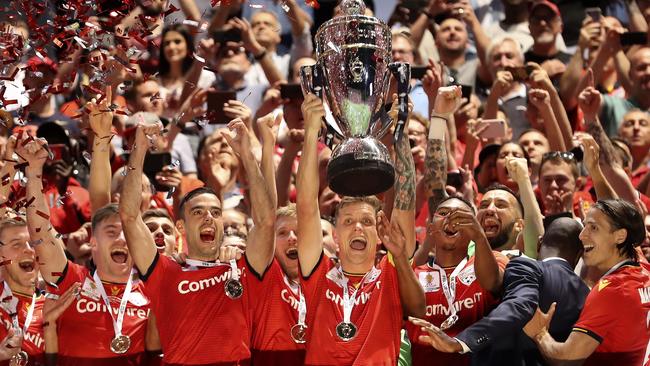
<point>377,314</point>
<point>33,343</point>
<point>197,322</point>
<point>616,314</point>
<point>275,311</point>
<point>472,302</point>
<point>85,329</point>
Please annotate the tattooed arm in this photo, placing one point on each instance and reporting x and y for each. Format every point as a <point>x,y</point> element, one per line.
<point>404,190</point>
<point>589,101</point>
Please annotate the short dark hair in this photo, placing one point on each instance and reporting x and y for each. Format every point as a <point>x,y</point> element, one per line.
<point>103,214</point>
<point>624,215</point>
<point>193,193</point>
<point>156,212</point>
<point>501,187</point>
<point>460,198</point>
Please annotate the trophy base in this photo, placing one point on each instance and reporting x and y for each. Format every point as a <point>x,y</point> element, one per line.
<point>349,176</point>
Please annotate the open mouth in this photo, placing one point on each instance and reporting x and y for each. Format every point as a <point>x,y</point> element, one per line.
<point>207,235</point>
<point>119,255</point>
<point>588,248</point>
<point>26,265</point>
<point>358,244</point>
<point>292,253</point>
<point>159,240</point>
<point>449,231</point>
<point>491,227</point>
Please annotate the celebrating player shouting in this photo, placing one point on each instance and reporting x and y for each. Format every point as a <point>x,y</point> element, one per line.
<point>205,299</point>
<point>354,309</point>
<point>108,323</point>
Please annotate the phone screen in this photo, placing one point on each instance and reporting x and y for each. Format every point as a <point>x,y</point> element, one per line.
<point>154,163</point>
<point>216,100</point>
<point>290,91</point>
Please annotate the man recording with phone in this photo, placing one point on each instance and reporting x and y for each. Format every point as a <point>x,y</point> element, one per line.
<point>545,25</point>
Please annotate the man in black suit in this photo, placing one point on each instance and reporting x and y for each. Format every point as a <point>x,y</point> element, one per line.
<point>498,339</point>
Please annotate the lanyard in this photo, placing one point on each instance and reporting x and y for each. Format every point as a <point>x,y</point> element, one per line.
<point>234,274</point>
<point>117,324</point>
<point>350,300</point>
<point>302,304</point>
<point>449,287</point>
<point>195,264</point>
<point>14,310</point>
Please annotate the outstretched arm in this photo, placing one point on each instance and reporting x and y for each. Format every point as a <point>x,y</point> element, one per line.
<point>261,242</point>
<point>310,235</point>
<point>137,234</point>
<point>394,238</point>
<point>533,219</point>
<point>100,118</point>
<point>47,242</point>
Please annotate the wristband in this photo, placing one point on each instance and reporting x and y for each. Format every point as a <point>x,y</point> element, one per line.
<point>437,126</point>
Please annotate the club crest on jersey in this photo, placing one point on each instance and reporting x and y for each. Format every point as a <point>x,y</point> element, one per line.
<point>89,289</point>
<point>467,276</point>
<point>430,281</point>
<point>136,298</point>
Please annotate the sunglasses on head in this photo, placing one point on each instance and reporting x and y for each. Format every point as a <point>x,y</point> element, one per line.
<point>574,155</point>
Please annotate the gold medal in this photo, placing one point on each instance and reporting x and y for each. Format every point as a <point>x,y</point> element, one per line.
<point>120,344</point>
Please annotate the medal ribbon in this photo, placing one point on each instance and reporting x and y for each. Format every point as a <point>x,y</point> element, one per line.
<point>617,266</point>
<point>14,311</point>
<point>349,301</point>
<point>117,324</point>
<point>449,287</point>
<point>196,263</point>
<point>234,275</point>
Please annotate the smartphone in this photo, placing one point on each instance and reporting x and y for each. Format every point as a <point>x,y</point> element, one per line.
<point>154,163</point>
<point>59,151</point>
<point>224,36</point>
<point>466,90</point>
<point>418,72</point>
<point>634,38</point>
<point>594,13</point>
<point>496,128</point>
<point>216,100</point>
<point>578,153</point>
<point>454,179</point>
<point>520,73</point>
<point>291,91</point>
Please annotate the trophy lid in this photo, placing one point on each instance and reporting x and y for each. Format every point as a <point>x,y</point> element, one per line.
<point>353,7</point>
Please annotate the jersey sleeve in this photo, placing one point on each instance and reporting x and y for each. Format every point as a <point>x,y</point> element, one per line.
<point>71,273</point>
<point>600,311</point>
<point>154,278</point>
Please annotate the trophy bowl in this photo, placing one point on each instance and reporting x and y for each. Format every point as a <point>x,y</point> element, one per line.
<point>352,73</point>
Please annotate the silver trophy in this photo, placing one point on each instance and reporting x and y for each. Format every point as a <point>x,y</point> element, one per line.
<point>352,70</point>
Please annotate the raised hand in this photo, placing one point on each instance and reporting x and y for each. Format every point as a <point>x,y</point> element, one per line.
<point>435,337</point>
<point>589,102</point>
<point>145,132</point>
<point>52,309</point>
<point>463,220</point>
<point>502,83</point>
<point>193,106</point>
<point>432,80</point>
<point>235,109</point>
<point>391,235</point>
<point>247,36</point>
<point>267,125</point>
<point>448,100</point>
<point>238,137</point>
<point>313,112</point>
<point>169,177</point>
<point>100,115</point>
<point>228,253</point>
<point>591,151</point>
<point>34,152</point>
<point>517,169</point>
<point>539,78</point>
<point>539,98</point>
<point>10,346</point>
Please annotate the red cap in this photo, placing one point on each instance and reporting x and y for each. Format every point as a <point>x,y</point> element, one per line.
<point>34,62</point>
<point>547,4</point>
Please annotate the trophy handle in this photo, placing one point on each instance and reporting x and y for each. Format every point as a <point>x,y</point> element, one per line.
<point>402,73</point>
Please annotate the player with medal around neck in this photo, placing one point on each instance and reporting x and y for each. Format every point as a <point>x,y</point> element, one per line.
<point>20,276</point>
<point>208,301</point>
<point>339,314</point>
<point>87,331</point>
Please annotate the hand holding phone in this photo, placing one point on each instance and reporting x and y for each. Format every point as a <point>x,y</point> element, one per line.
<point>494,128</point>
<point>520,73</point>
<point>216,100</point>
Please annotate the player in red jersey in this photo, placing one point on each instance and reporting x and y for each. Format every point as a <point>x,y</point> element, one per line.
<point>613,326</point>
<point>89,332</point>
<point>354,308</point>
<point>22,305</point>
<point>278,336</point>
<point>453,277</point>
<point>202,308</point>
